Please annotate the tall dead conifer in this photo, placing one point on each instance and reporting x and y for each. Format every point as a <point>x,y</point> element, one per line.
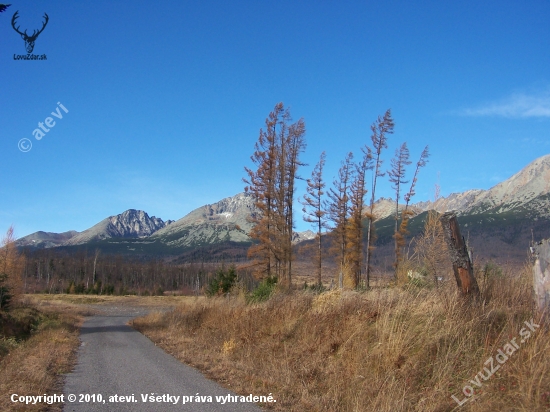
<point>397,178</point>
<point>313,209</point>
<point>338,213</point>
<point>295,143</point>
<point>406,213</point>
<point>357,203</point>
<point>380,128</point>
<point>261,185</point>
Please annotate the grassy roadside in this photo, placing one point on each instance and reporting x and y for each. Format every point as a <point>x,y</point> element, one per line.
<point>392,349</point>
<point>37,346</point>
<point>39,339</point>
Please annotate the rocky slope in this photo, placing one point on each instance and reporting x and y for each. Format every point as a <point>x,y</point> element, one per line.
<point>224,221</point>
<point>519,191</point>
<point>298,237</point>
<point>129,224</point>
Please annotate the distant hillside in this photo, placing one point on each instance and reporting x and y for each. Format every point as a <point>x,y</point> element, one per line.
<point>46,239</point>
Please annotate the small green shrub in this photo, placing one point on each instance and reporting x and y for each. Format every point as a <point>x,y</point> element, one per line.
<point>222,282</point>
<point>263,291</point>
<point>5,297</point>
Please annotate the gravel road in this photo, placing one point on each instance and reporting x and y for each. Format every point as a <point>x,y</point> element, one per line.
<point>114,359</point>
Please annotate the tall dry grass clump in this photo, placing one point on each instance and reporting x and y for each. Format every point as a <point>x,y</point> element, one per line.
<point>392,349</point>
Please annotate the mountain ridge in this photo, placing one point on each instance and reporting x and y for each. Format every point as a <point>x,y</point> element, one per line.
<point>518,190</point>
<point>516,202</point>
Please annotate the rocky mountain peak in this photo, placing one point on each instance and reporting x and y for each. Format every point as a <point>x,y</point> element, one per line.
<point>129,224</point>
<point>225,221</point>
<point>231,205</point>
<point>134,223</point>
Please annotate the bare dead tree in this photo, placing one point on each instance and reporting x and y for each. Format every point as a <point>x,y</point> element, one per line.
<point>313,209</point>
<point>405,214</point>
<point>261,185</point>
<point>296,144</point>
<point>358,192</point>
<point>397,178</point>
<point>272,186</point>
<point>380,128</point>
<point>338,212</point>
<point>97,251</point>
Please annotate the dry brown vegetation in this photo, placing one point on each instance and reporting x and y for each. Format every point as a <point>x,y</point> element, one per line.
<point>37,341</point>
<point>37,346</point>
<point>388,349</point>
<point>75,301</point>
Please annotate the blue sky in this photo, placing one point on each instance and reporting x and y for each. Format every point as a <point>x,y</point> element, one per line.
<point>165,99</point>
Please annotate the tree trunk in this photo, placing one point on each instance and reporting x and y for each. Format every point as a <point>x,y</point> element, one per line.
<point>368,252</point>
<point>541,277</point>
<point>95,262</point>
<point>320,267</point>
<point>462,266</point>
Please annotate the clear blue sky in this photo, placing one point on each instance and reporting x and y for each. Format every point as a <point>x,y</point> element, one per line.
<point>166,98</point>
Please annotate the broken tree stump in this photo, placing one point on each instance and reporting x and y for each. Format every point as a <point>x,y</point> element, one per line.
<point>462,266</point>
<point>541,277</point>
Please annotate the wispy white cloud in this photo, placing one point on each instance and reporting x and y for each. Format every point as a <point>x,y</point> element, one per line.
<point>518,105</point>
<point>529,142</point>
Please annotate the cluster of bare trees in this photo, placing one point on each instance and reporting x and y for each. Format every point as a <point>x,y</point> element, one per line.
<point>342,208</point>
<point>397,178</point>
<point>345,212</point>
<point>54,271</point>
<point>272,183</point>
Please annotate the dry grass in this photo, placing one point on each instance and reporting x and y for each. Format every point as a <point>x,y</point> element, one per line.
<point>35,365</point>
<point>391,349</point>
<point>71,300</point>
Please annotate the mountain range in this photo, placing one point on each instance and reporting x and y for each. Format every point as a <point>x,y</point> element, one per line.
<point>500,223</point>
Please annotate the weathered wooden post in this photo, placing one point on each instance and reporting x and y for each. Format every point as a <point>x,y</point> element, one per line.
<point>462,266</point>
<point>541,277</point>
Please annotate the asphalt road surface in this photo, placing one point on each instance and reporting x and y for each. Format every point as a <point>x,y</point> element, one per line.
<point>114,359</point>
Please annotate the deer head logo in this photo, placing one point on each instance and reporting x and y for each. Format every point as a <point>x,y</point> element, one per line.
<point>29,40</point>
